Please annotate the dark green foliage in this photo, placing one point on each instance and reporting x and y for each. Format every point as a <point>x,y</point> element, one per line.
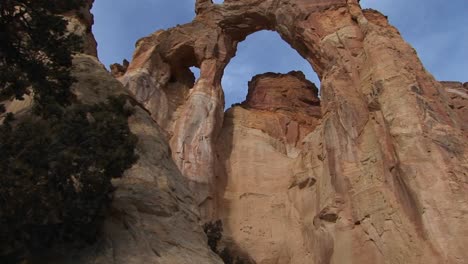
<point>36,52</point>
<point>56,165</point>
<point>214,233</point>
<point>56,174</point>
<point>236,104</point>
<point>228,258</point>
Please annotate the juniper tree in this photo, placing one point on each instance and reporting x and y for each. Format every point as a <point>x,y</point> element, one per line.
<point>36,52</point>
<point>56,164</point>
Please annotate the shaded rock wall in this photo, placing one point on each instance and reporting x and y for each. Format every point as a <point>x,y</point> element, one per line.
<point>80,22</point>
<point>389,153</point>
<point>153,218</point>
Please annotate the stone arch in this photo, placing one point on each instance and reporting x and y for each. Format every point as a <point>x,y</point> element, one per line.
<point>210,42</point>
<point>261,52</point>
<point>373,188</point>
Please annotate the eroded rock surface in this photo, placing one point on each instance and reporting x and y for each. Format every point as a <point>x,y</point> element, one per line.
<point>261,203</point>
<point>153,218</point>
<point>458,94</point>
<point>118,70</point>
<point>288,102</point>
<point>80,22</point>
<point>389,159</point>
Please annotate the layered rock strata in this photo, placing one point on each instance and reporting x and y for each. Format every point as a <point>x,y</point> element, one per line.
<point>389,155</point>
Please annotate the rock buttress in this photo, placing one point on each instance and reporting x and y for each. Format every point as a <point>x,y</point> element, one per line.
<point>264,177</point>
<point>153,217</point>
<point>392,152</point>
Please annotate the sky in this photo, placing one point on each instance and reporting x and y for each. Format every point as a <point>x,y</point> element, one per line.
<point>437,29</point>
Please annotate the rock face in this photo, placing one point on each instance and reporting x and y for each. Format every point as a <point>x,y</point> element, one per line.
<point>80,23</point>
<point>458,94</point>
<point>264,177</point>
<point>118,70</point>
<point>381,176</point>
<point>153,218</point>
<point>288,103</point>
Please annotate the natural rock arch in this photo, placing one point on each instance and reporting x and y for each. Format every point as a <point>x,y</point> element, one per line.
<point>208,43</point>
<point>261,52</point>
<point>382,115</point>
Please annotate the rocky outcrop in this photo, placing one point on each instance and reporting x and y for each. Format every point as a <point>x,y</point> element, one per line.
<point>80,22</point>
<point>458,94</point>
<point>118,70</point>
<point>384,172</point>
<point>272,91</point>
<point>265,178</point>
<point>153,218</point>
<point>288,103</point>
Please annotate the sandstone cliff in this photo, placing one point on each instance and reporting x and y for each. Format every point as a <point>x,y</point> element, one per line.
<point>376,171</point>
<point>378,177</point>
<point>80,22</point>
<point>153,218</point>
<point>458,94</point>
<point>265,178</point>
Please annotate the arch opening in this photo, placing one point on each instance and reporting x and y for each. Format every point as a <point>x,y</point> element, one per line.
<point>261,52</point>
<point>196,72</point>
<point>260,143</point>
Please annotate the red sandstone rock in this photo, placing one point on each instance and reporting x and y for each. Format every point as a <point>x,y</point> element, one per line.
<point>262,167</point>
<point>272,91</point>
<point>286,106</point>
<point>458,94</point>
<point>381,179</point>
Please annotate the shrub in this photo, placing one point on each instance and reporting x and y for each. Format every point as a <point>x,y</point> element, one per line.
<point>214,233</point>
<point>57,164</point>
<point>56,174</point>
<point>36,52</point>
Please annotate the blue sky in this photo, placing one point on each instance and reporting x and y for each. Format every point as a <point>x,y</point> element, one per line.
<point>437,29</point>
